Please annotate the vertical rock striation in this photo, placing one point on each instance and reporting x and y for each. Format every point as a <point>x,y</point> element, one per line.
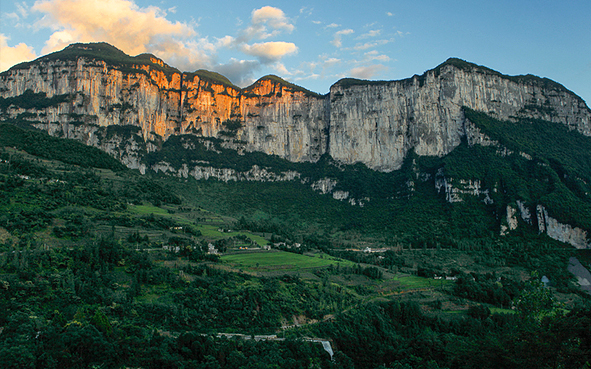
<point>377,123</point>
<point>371,122</point>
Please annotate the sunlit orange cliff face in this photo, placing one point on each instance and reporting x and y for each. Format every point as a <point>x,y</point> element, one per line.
<point>373,122</point>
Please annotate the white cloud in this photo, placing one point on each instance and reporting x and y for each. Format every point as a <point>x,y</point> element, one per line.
<point>122,23</point>
<point>389,14</point>
<point>18,16</point>
<point>372,33</point>
<point>306,11</point>
<point>264,19</point>
<point>369,45</point>
<point>14,55</point>
<point>240,72</point>
<point>332,25</point>
<point>367,72</point>
<point>345,32</point>
<point>274,17</point>
<point>266,22</point>
<point>226,41</point>
<point>269,52</point>
<point>188,55</point>
<point>338,36</point>
<point>14,16</point>
<point>331,61</point>
<point>281,69</point>
<point>374,55</point>
<point>22,9</point>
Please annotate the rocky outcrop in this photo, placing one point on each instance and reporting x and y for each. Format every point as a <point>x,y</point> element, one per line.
<point>566,233</point>
<point>454,191</point>
<point>324,185</point>
<point>224,174</point>
<point>130,106</point>
<point>511,221</point>
<point>559,231</point>
<point>372,122</point>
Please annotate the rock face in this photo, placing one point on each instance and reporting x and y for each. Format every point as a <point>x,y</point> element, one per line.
<point>378,123</point>
<point>375,123</point>
<point>559,231</point>
<point>130,106</point>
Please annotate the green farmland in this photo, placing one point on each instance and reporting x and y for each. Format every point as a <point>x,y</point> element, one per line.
<point>414,282</point>
<point>281,260</point>
<point>212,232</point>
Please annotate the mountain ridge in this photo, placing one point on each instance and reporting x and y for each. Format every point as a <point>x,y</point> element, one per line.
<point>108,52</point>
<point>371,122</point>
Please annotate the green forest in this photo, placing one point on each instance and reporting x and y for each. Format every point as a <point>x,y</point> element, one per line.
<point>102,267</point>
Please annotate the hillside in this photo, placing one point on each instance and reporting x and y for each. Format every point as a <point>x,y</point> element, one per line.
<point>156,218</point>
<point>122,264</point>
<point>361,143</point>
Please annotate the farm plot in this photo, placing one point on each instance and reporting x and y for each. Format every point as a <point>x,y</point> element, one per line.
<point>212,232</point>
<point>281,261</point>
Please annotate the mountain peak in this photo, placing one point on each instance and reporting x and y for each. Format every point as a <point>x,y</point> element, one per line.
<point>528,79</point>
<point>280,81</point>
<point>100,51</point>
<point>214,77</point>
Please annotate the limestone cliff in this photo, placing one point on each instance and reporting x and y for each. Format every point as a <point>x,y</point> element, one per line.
<point>133,107</point>
<point>371,122</point>
<point>377,123</point>
<point>271,116</point>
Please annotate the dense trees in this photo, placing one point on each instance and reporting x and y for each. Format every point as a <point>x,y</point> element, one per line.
<point>74,297</point>
<point>399,335</point>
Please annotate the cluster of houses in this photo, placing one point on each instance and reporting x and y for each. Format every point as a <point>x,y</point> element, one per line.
<point>176,249</point>
<point>447,278</point>
<point>51,181</point>
<point>285,245</point>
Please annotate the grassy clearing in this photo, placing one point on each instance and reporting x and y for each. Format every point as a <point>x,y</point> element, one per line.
<point>281,260</point>
<point>147,210</point>
<point>148,298</point>
<point>496,310</point>
<point>414,282</point>
<point>211,232</point>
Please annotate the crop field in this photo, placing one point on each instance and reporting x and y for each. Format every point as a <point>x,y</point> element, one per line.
<point>281,260</point>
<point>148,209</point>
<point>414,282</point>
<point>211,232</point>
<point>497,310</point>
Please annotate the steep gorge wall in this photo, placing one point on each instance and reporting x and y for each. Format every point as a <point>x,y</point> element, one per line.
<point>100,94</point>
<point>271,117</point>
<point>375,123</point>
<point>378,123</point>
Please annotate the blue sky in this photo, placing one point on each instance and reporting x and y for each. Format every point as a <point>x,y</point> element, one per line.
<point>314,44</point>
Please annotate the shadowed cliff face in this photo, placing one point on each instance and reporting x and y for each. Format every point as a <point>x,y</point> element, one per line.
<point>378,123</point>
<point>375,123</point>
<point>133,107</point>
<point>267,117</point>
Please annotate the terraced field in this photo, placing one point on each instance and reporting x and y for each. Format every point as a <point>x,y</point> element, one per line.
<point>281,260</point>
